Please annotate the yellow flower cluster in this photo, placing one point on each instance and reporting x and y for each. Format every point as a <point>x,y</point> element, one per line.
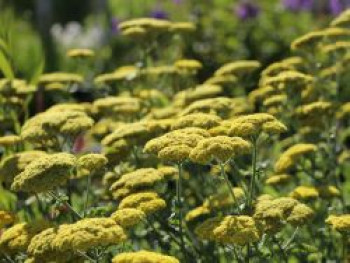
<point>140,179</point>
<point>80,236</point>
<point>340,223</point>
<point>290,157</point>
<point>143,257</point>
<point>128,217</point>
<point>220,148</point>
<point>60,77</point>
<point>89,164</point>
<point>45,173</point>
<point>6,218</point>
<point>236,230</point>
<point>9,140</point>
<point>148,202</point>
<point>270,214</point>
<point>241,67</point>
<point>80,53</point>
<point>199,120</point>
<point>17,238</point>
<point>176,145</point>
<point>254,124</point>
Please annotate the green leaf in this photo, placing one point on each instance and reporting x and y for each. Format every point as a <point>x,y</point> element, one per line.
<point>3,46</point>
<point>37,72</point>
<point>5,67</point>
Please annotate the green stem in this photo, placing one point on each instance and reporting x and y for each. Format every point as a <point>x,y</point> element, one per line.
<point>179,203</point>
<point>228,183</point>
<point>345,247</point>
<point>86,256</point>
<point>252,179</point>
<point>88,183</point>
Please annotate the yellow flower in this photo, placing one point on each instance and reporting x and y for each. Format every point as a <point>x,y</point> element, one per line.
<point>220,148</point>
<point>143,257</point>
<point>203,91</point>
<point>148,202</point>
<point>240,67</point>
<point>15,164</point>
<point>253,124</point>
<point>9,140</point>
<point>197,213</point>
<point>80,53</point>
<point>236,230</point>
<point>61,77</point>
<point>314,109</point>
<point>42,128</point>
<point>307,40</point>
<point>16,238</point>
<point>261,93</point>
<point>222,80</point>
<point>344,111</point>
<point>304,193</point>
<point>183,27</point>
<point>339,47</point>
<point>89,164</point>
<point>88,233</point>
<point>111,106</point>
<point>291,77</point>
<point>176,145</point>
<point>328,191</point>
<point>151,24</point>
<point>290,157</point>
<point>188,64</point>
<point>278,179</point>
<point>271,214</point>
<point>45,173</point>
<point>128,217</point>
<point>275,100</point>
<point>199,120</point>
<point>82,107</point>
<point>134,32</point>
<point>143,178</point>
<point>340,223</point>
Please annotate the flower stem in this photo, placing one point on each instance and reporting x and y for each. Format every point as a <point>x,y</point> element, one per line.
<point>179,203</point>
<point>66,204</point>
<point>88,183</point>
<point>252,180</point>
<point>228,183</point>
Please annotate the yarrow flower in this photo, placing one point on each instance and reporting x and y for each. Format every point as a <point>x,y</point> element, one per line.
<point>340,223</point>
<point>144,257</point>
<point>148,202</point>
<point>128,217</point>
<point>45,173</point>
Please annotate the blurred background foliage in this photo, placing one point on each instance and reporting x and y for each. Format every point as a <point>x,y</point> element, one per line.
<point>227,29</point>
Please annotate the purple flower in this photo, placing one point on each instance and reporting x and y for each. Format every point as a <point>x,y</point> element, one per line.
<point>247,10</point>
<point>159,14</point>
<point>298,5</point>
<point>177,2</point>
<point>338,6</point>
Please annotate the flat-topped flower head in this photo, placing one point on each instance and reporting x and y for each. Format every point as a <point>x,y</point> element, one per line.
<point>117,105</point>
<point>271,214</point>
<point>44,127</point>
<point>220,106</point>
<point>149,24</point>
<point>205,230</point>
<point>275,100</point>
<point>236,230</point>
<point>344,112</point>
<point>61,107</point>
<point>91,163</point>
<point>17,238</point>
<point>254,124</point>
<point>135,32</point>
<point>220,148</point>
<point>199,120</point>
<point>61,77</point>
<point>289,158</point>
<point>200,92</point>
<point>182,27</point>
<point>80,53</point>
<point>128,217</point>
<point>305,193</point>
<point>238,68</point>
<point>278,179</point>
<point>9,140</point>
<point>291,78</point>
<point>308,40</point>
<point>134,132</point>
<point>188,65</point>
<point>176,145</point>
<point>88,233</point>
<point>314,109</point>
<point>15,164</point>
<point>143,257</point>
<point>140,179</point>
<point>148,202</point>
<point>45,173</point>
<point>197,213</point>
<point>340,223</point>
<point>222,80</point>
